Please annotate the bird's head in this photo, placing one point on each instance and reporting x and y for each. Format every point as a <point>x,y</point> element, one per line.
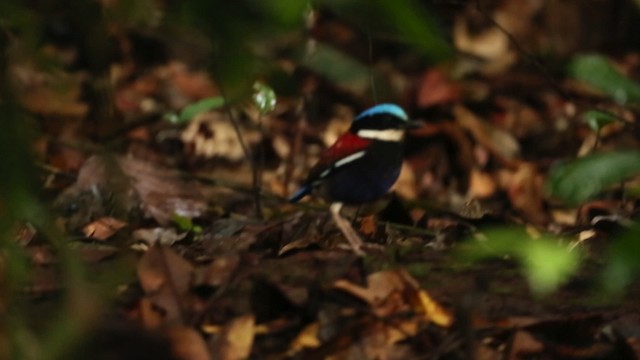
<point>385,122</point>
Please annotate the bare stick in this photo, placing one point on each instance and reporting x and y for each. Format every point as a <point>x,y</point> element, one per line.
<point>245,149</point>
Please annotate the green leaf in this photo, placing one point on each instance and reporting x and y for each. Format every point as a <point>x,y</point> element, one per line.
<point>597,119</point>
<point>186,224</point>
<point>285,12</point>
<point>623,263</point>
<point>547,261</point>
<point>264,98</point>
<point>584,178</point>
<point>201,106</point>
<point>597,71</point>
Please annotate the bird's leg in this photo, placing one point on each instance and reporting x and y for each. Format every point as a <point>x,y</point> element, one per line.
<point>347,230</point>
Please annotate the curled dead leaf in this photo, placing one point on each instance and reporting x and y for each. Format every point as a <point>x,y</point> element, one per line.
<point>103,228</point>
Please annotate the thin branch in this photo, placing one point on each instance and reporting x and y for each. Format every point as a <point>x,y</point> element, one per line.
<point>245,148</point>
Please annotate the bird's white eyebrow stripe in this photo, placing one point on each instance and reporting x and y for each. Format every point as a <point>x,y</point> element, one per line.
<point>384,135</point>
<point>350,158</point>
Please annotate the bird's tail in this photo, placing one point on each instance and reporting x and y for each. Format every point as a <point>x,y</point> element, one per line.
<point>302,192</point>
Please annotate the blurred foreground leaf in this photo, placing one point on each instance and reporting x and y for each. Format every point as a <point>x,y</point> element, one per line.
<point>404,21</point>
<point>338,68</point>
<point>623,263</point>
<point>597,71</point>
<point>583,178</point>
<point>597,119</point>
<point>547,262</point>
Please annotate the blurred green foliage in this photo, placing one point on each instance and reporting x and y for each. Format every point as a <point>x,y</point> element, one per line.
<point>583,178</point>
<point>597,71</point>
<point>597,119</point>
<point>623,265</point>
<point>547,262</point>
<point>191,110</point>
<point>236,32</point>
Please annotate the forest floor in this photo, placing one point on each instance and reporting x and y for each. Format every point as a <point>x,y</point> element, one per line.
<point>184,247</point>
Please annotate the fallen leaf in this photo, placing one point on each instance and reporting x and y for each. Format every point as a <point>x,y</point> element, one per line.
<point>95,252</point>
<point>433,311</point>
<point>165,278</point>
<point>187,344</point>
<point>103,228</point>
<point>307,338</point>
<point>212,135</point>
<point>434,88</point>
<point>524,344</point>
<point>498,141</point>
<point>158,236</point>
<point>236,339</point>
<point>392,292</point>
<point>217,272</point>
<point>368,225</point>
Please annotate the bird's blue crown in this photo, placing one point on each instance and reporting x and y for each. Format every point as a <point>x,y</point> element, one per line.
<point>382,109</point>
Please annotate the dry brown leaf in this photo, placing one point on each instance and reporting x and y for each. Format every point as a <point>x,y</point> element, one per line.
<point>166,279</point>
<point>435,88</point>
<point>95,252</point>
<point>524,344</point>
<point>212,135</point>
<point>298,244</point>
<point>368,225</point>
<point>391,292</point>
<point>50,93</point>
<point>188,344</point>
<point>150,317</point>
<point>491,45</point>
<point>41,255</point>
<point>525,190</point>
<point>103,228</point>
<point>306,339</point>
<point>160,265</point>
<point>498,141</point>
<point>433,311</point>
<point>191,84</point>
<point>236,339</point>
<point>406,185</point>
<point>122,186</point>
<point>158,236</point>
<point>163,192</point>
<point>218,272</point>
<point>481,184</point>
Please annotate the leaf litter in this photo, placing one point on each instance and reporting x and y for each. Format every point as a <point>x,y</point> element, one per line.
<point>231,285</point>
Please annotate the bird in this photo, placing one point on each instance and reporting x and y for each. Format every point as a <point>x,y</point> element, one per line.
<point>361,166</point>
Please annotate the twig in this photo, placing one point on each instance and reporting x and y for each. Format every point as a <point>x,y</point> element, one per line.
<point>243,145</point>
